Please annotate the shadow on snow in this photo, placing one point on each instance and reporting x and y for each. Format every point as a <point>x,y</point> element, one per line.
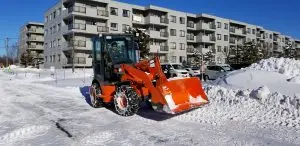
<point>145,110</point>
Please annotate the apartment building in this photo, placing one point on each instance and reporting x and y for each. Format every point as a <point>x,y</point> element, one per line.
<point>32,39</point>
<point>297,46</point>
<point>174,35</point>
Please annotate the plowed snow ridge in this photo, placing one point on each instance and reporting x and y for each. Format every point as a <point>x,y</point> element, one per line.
<point>246,105</point>
<point>286,66</point>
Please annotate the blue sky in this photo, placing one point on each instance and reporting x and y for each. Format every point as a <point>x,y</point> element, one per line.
<point>282,16</point>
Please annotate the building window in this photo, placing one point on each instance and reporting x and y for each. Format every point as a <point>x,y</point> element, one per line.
<point>182,33</point>
<point>182,20</point>
<point>271,36</point>
<point>46,32</point>
<point>219,37</point>
<point>50,17</point>
<point>173,59</point>
<point>58,42</point>
<point>114,26</point>
<point>219,24</point>
<point>54,29</point>
<point>248,30</point>
<point>58,57</point>
<point>125,27</point>
<point>253,31</point>
<point>173,45</point>
<point>54,58</point>
<point>225,49</point>
<point>173,32</point>
<point>58,11</point>
<point>46,19</point>
<point>54,14</point>
<point>59,27</point>
<point>113,11</point>
<point>182,46</point>
<point>173,19</point>
<point>46,59</point>
<point>225,37</point>
<point>126,13</point>
<point>181,59</point>
<point>219,49</point>
<point>51,58</point>
<point>225,26</point>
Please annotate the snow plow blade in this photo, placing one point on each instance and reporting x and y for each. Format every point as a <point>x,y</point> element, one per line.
<point>181,95</point>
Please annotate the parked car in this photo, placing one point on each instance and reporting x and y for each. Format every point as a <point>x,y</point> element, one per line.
<point>193,71</point>
<point>174,70</point>
<point>215,71</point>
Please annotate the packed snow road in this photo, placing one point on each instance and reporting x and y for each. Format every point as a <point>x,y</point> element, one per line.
<point>43,113</point>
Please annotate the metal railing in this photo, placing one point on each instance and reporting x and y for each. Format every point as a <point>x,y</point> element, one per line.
<point>77,43</point>
<point>212,26</point>
<point>232,41</point>
<point>190,37</point>
<point>191,24</point>
<point>77,26</point>
<point>164,34</point>
<point>164,48</point>
<point>32,30</point>
<point>212,38</point>
<point>78,9</point>
<point>102,29</point>
<point>164,20</point>
<point>190,50</point>
<point>102,13</point>
<point>77,60</point>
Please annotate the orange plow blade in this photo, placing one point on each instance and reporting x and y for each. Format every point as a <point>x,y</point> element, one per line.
<point>182,95</point>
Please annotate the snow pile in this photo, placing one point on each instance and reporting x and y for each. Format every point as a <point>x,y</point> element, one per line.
<point>286,66</point>
<point>239,105</point>
<point>261,93</point>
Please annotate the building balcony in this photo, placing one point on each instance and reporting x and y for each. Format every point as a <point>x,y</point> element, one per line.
<point>207,39</point>
<point>164,20</point>
<point>232,41</point>
<point>35,47</point>
<point>157,20</point>
<point>136,19</point>
<point>164,34</point>
<point>86,12</point>
<point>77,45</point>
<point>103,29</point>
<point>103,13</point>
<point>190,50</point>
<point>238,31</point>
<point>158,34</point>
<point>207,26</point>
<point>190,38</point>
<point>164,48</point>
<point>158,48</point>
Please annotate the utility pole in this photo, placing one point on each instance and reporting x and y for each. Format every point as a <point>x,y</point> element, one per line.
<point>6,47</point>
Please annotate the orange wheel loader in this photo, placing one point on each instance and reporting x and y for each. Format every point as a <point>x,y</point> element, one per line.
<point>122,79</point>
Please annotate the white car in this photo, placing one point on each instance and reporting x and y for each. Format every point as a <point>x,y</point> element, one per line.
<point>175,70</point>
<point>194,71</point>
<point>215,71</point>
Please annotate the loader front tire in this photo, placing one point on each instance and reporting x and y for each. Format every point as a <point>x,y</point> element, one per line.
<point>126,101</point>
<point>96,102</point>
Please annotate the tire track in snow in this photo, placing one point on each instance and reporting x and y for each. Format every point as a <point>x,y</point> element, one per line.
<point>22,134</point>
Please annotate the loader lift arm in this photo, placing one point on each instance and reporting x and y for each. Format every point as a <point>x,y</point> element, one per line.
<point>137,76</point>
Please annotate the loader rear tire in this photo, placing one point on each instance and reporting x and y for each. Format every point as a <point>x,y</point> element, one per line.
<point>96,102</point>
<point>126,101</point>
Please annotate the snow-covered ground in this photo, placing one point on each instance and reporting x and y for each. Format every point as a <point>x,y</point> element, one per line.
<point>248,107</point>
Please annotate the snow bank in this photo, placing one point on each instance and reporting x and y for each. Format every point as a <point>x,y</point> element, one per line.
<point>286,66</point>
<point>239,105</point>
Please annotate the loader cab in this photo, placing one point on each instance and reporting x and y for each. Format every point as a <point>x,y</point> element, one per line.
<point>109,52</point>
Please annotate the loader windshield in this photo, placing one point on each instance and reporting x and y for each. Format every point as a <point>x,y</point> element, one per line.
<point>120,52</point>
